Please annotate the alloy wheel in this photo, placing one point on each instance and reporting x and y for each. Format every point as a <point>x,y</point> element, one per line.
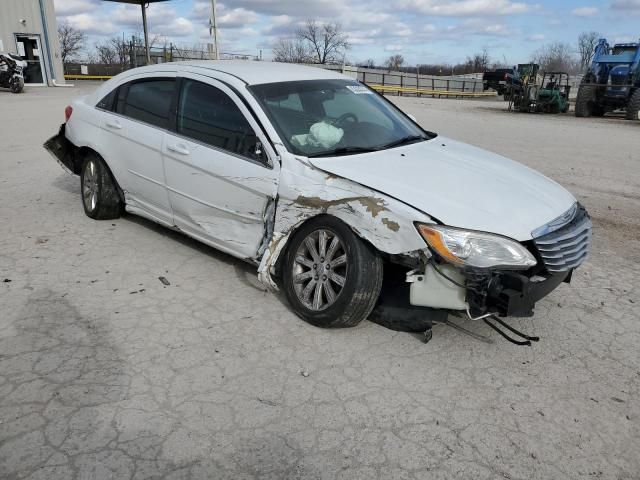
<point>90,186</point>
<point>320,269</point>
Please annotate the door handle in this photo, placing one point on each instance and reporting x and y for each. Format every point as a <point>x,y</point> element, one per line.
<point>113,124</point>
<point>179,148</point>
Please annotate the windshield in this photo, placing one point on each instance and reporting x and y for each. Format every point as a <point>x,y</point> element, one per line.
<point>334,117</point>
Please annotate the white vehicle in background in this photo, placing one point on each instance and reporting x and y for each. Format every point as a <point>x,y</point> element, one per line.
<point>332,191</point>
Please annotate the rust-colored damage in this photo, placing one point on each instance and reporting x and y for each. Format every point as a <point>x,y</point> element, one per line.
<point>371,204</point>
<point>391,225</point>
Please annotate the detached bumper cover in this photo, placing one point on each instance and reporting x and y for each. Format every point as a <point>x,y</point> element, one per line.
<point>62,150</point>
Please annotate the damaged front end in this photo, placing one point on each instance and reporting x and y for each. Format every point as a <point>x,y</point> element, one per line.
<point>559,248</point>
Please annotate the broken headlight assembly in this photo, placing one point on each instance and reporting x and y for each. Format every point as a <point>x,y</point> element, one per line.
<point>476,249</point>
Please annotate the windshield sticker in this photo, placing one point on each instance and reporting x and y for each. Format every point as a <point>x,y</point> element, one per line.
<point>359,89</point>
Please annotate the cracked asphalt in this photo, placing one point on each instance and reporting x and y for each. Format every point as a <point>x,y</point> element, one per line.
<point>108,373</point>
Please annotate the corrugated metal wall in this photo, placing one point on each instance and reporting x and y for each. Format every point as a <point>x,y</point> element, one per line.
<point>12,12</point>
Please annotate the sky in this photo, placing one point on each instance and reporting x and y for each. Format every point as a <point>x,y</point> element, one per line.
<point>423,31</point>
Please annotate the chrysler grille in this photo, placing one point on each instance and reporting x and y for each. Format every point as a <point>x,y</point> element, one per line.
<point>568,246</point>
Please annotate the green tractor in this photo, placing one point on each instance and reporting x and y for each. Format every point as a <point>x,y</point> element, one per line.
<point>553,96</point>
<point>550,96</point>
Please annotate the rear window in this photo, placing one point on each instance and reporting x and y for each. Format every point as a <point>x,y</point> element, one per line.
<point>148,101</point>
<point>107,102</point>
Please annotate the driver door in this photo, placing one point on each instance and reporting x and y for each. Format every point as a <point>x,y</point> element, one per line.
<point>221,173</point>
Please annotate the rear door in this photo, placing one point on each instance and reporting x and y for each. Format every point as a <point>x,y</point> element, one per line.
<point>221,170</point>
<point>135,131</point>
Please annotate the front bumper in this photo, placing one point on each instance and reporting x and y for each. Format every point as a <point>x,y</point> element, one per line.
<point>505,293</point>
<point>559,247</point>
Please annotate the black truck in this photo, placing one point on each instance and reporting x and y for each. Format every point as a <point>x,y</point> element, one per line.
<point>497,80</point>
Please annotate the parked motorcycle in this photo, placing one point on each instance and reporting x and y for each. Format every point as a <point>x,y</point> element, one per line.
<point>12,72</point>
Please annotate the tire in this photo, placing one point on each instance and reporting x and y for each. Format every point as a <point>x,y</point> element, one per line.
<point>584,101</point>
<point>17,85</point>
<point>360,274</point>
<point>633,107</point>
<point>99,192</point>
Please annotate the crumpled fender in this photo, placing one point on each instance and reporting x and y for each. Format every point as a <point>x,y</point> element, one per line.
<point>306,191</point>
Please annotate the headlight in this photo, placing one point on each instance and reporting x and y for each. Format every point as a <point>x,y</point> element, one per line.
<point>476,249</point>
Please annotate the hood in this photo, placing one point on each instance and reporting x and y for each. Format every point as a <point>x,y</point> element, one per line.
<point>460,185</point>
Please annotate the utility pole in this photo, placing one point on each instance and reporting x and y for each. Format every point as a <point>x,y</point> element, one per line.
<point>213,29</point>
<point>146,33</point>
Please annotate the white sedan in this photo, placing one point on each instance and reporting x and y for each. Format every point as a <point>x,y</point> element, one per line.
<point>329,189</point>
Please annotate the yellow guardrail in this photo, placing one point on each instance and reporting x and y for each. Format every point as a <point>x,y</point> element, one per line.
<point>87,77</point>
<point>424,91</point>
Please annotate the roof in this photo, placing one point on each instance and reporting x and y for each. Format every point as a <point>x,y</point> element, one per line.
<point>254,73</point>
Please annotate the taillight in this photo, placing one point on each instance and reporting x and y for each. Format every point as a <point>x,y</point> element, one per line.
<point>67,113</point>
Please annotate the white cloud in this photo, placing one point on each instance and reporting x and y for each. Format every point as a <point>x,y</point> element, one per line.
<point>468,8</point>
<point>301,8</point>
<point>632,6</point>
<point>480,27</point>
<point>179,27</point>
<point>393,48</point>
<point>536,37</point>
<point>90,24</point>
<point>75,7</point>
<point>584,12</point>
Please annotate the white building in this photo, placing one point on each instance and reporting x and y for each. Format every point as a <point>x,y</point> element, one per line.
<point>28,28</point>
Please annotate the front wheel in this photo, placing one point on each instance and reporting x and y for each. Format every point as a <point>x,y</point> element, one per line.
<point>331,278</point>
<point>17,84</point>
<point>100,196</point>
<point>585,101</point>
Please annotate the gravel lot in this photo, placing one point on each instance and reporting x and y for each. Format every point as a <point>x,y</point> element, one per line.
<point>105,372</point>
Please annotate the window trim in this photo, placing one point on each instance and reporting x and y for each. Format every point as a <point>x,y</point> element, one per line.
<point>259,132</point>
<point>124,89</point>
<point>116,90</point>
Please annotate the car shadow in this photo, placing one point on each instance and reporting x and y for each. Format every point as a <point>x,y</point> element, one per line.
<point>67,183</point>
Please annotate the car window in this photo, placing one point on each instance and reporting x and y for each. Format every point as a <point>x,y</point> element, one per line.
<point>107,102</point>
<point>291,102</point>
<point>148,101</point>
<point>338,117</point>
<point>340,105</point>
<point>207,114</point>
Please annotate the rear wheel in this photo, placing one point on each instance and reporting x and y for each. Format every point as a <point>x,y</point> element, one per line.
<point>584,101</point>
<point>100,197</point>
<point>633,107</point>
<point>331,277</point>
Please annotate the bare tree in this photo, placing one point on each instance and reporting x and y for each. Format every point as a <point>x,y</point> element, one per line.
<point>394,62</point>
<point>556,57</point>
<point>586,45</point>
<point>121,49</point>
<point>368,63</point>
<point>327,41</point>
<point>71,41</point>
<point>479,62</point>
<point>106,54</point>
<point>292,51</point>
